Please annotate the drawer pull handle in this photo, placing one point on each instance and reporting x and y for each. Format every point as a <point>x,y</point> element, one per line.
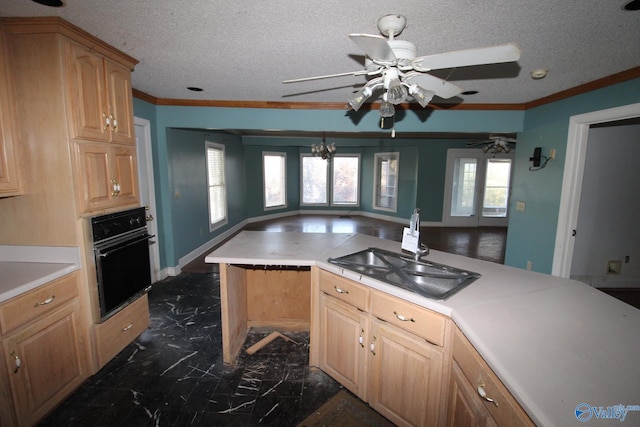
<point>372,346</point>
<point>126,328</point>
<point>483,395</point>
<point>17,360</point>
<point>403,318</point>
<point>340,290</point>
<point>361,339</point>
<point>45,302</point>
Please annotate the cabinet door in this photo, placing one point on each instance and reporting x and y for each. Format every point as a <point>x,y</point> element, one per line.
<point>126,174</point>
<point>95,177</point>
<point>45,363</point>
<point>88,106</point>
<point>344,336</point>
<point>465,408</point>
<point>10,167</point>
<point>107,176</point>
<point>406,376</point>
<point>120,103</point>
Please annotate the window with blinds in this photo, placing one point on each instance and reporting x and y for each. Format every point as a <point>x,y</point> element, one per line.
<point>216,185</point>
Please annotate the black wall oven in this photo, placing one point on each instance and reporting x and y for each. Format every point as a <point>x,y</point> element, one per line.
<point>121,249</point>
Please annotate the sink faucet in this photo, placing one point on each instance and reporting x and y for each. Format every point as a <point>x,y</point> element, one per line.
<point>414,225</point>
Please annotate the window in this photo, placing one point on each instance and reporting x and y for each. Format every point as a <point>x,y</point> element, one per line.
<point>385,188</point>
<point>314,180</point>
<point>344,187</point>
<point>275,180</point>
<point>496,188</point>
<point>216,185</point>
<point>345,180</point>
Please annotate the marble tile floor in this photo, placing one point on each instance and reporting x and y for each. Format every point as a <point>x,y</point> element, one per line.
<point>173,374</point>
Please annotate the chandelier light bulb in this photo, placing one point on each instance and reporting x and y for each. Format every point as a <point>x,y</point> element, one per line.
<point>387,109</point>
<point>396,93</point>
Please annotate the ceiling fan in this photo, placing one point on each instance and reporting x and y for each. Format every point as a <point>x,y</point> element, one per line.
<point>393,66</point>
<point>495,144</point>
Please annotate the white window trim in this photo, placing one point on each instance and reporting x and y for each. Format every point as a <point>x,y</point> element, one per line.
<point>331,171</point>
<point>225,220</point>
<point>376,179</point>
<point>264,193</point>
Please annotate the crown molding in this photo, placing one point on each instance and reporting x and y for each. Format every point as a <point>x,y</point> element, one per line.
<point>583,88</point>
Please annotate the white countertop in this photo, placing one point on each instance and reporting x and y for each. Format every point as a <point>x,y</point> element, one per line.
<point>555,343</point>
<point>23,268</point>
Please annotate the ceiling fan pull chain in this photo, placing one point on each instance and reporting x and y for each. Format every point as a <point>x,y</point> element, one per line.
<point>446,79</point>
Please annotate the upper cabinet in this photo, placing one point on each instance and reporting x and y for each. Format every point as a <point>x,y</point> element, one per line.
<point>10,167</point>
<point>101,107</point>
<point>82,104</point>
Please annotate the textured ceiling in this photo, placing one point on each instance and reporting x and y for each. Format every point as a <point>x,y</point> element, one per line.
<point>243,50</point>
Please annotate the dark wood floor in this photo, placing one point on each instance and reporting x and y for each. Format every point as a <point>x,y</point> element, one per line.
<point>486,243</point>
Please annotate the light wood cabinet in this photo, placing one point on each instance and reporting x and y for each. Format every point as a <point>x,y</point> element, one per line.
<point>112,336</point>
<point>107,176</point>
<point>43,354</point>
<point>478,397</point>
<point>344,344</point>
<point>375,345</point>
<point>465,407</point>
<point>101,107</point>
<point>406,376</point>
<point>11,174</point>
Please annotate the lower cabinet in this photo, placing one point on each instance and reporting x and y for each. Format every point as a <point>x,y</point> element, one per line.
<point>465,408</point>
<point>344,344</point>
<point>44,356</point>
<point>477,397</point>
<point>398,372</point>
<point>406,374</point>
<point>112,336</point>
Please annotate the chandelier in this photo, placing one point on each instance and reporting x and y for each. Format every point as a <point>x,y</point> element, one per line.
<point>324,150</point>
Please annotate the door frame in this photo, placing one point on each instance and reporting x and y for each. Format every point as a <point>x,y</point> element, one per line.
<point>145,174</point>
<point>577,140</point>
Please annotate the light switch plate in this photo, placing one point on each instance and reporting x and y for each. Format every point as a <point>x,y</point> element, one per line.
<point>521,206</point>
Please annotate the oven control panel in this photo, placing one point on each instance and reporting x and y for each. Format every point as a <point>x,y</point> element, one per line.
<point>117,223</point>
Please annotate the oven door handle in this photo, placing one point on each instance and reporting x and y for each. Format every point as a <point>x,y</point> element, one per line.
<point>133,242</point>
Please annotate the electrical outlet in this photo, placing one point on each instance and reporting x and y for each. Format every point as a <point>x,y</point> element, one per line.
<point>520,206</point>
<point>614,267</point>
<point>529,265</point>
<point>552,154</point>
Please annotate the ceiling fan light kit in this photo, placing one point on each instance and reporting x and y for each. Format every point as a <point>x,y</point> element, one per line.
<point>394,66</point>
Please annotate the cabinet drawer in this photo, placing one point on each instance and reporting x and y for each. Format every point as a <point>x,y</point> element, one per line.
<point>120,330</point>
<point>345,290</point>
<point>507,412</point>
<point>22,309</point>
<point>417,320</point>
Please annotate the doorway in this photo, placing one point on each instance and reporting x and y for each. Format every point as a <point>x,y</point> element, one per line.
<point>477,188</point>
<point>147,190</point>
<point>572,181</point>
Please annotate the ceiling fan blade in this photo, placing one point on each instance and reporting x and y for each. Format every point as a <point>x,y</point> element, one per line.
<point>464,58</point>
<point>442,88</point>
<point>328,76</point>
<point>375,47</point>
<point>473,143</point>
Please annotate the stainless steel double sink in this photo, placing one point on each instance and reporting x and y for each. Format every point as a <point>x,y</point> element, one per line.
<point>429,279</point>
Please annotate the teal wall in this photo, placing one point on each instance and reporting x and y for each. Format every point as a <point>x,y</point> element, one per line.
<point>531,233</point>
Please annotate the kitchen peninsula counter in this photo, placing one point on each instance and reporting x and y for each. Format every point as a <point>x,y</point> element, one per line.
<point>554,342</point>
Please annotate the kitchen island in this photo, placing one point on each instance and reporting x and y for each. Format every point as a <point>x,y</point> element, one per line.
<point>559,346</point>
